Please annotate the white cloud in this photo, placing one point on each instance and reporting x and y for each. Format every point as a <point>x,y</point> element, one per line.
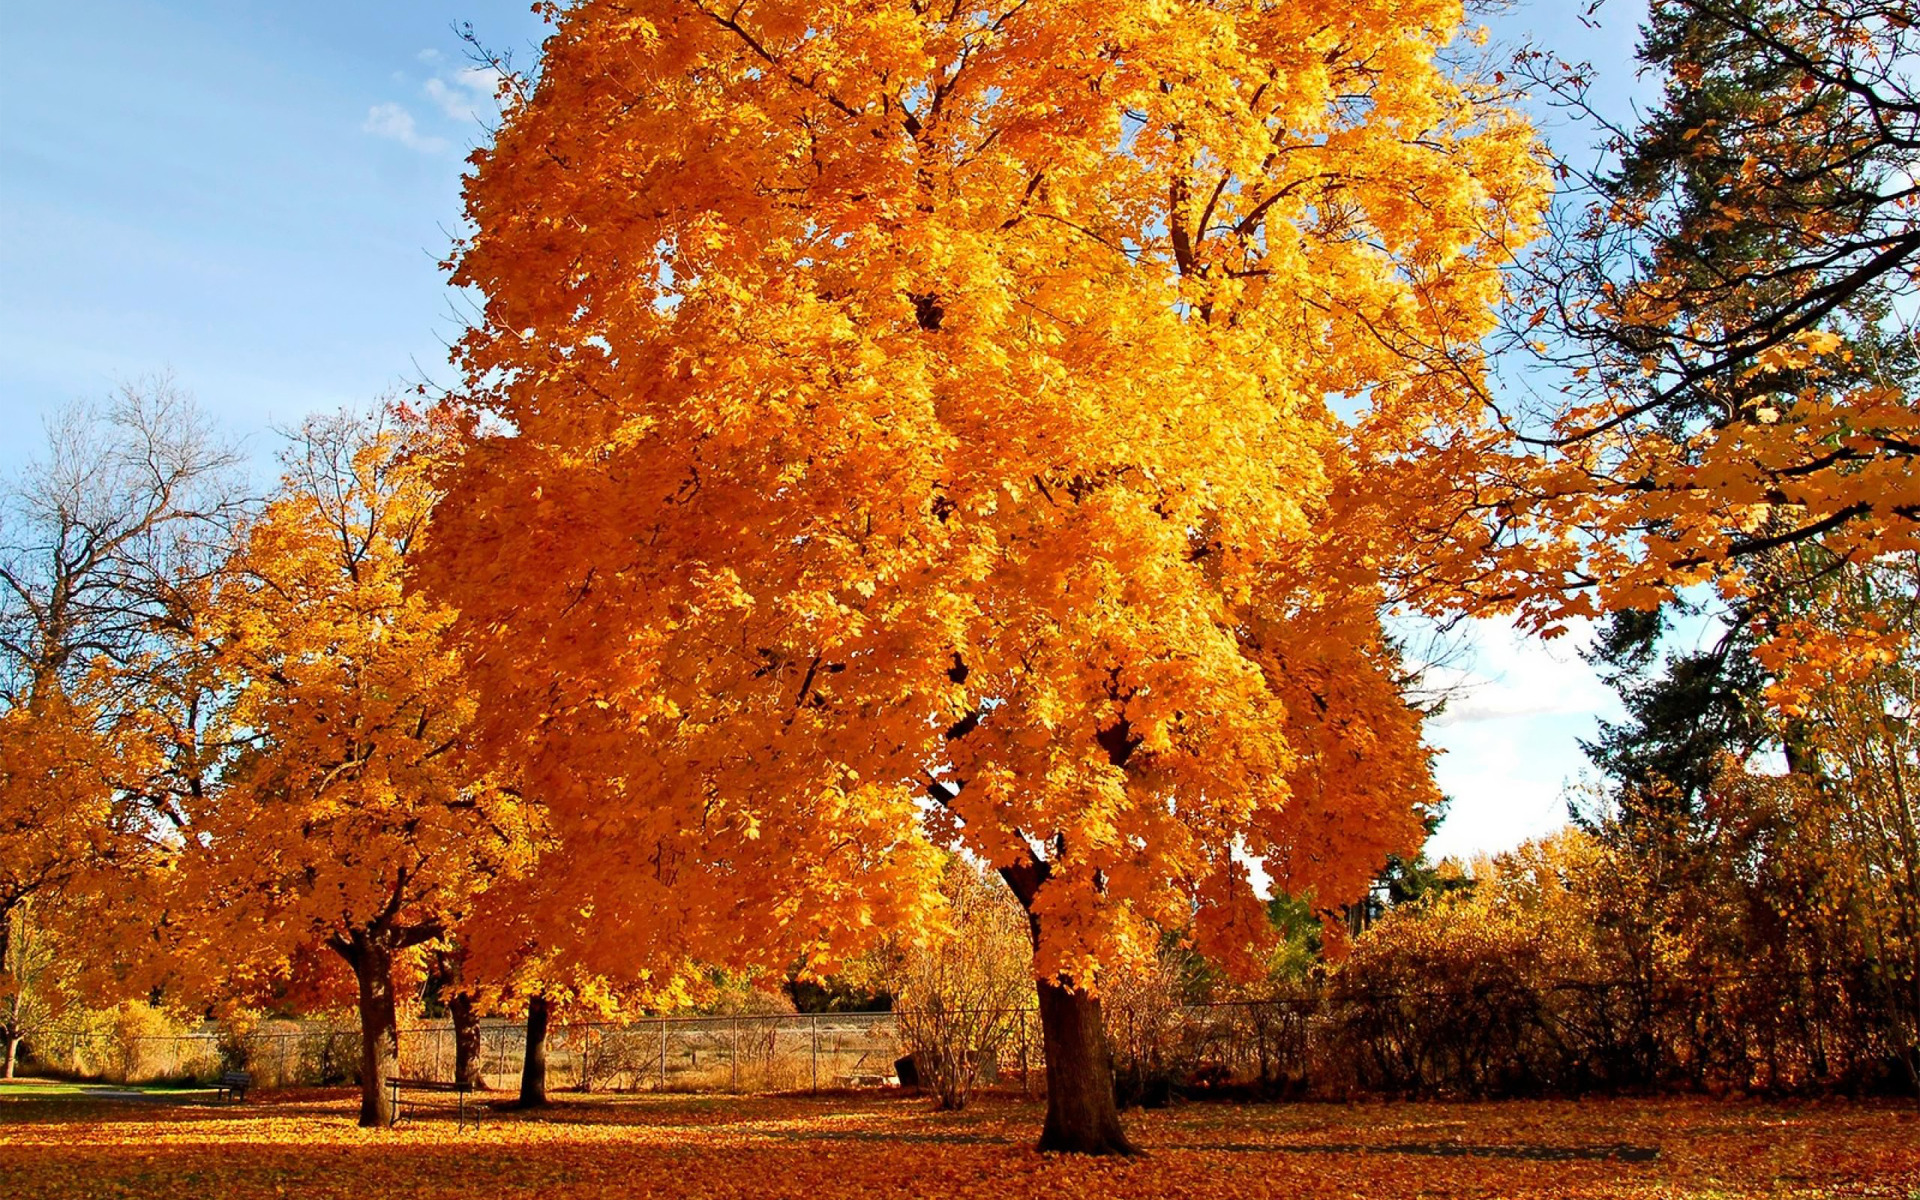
<point>468,93</point>
<point>395,123</point>
<point>1510,673</point>
<point>1510,737</point>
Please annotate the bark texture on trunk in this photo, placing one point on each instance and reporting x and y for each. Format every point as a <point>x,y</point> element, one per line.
<point>466,1041</point>
<point>372,962</point>
<point>533,1072</point>
<point>1082,1115</point>
<point>12,1027</point>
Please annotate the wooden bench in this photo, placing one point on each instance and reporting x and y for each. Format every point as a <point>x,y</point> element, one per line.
<point>461,1092</point>
<point>233,1087</point>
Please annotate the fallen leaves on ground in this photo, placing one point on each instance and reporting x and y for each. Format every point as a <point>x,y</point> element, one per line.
<point>304,1143</point>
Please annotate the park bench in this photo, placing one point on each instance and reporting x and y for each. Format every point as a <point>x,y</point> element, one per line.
<point>461,1093</point>
<point>233,1086</point>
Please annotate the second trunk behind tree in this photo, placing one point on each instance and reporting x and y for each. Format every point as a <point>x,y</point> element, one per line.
<point>533,1070</point>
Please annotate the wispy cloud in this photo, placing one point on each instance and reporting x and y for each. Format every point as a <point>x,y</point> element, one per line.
<point>1513,674</point>
<point>396,124</point>
<point>469,93</point>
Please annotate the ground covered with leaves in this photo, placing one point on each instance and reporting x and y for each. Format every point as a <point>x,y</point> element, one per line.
<point>57,1143</point>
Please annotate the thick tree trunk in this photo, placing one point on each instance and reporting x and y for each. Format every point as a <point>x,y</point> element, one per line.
<point>13,1054</point>
<point>466,1041</point>
<point>1082,1115</point>
<point>372,962</point>
<point>533,1072</point>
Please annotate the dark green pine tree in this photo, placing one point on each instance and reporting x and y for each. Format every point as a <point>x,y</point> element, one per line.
<point>1684,713</point>
<point>1770,190</point>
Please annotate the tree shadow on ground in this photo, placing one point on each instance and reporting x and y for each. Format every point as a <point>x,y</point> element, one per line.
<point>1533,1153</point>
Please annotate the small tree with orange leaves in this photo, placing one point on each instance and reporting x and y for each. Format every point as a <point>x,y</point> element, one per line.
<point>353,820</point>
<point>105,538</point>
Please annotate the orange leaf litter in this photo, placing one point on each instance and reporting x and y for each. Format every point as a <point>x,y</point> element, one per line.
<point>304,1143</point>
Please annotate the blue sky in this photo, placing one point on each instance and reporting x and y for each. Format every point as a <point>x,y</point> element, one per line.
<point>196,187</point>
<point>254,197</point>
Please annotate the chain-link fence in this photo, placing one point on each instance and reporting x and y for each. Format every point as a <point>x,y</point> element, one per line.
<point>748,1053</point>
<point>1491,1037</point>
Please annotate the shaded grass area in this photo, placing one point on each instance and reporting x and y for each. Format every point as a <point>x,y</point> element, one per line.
<point>66,1141</point>
<point>25,1092</point>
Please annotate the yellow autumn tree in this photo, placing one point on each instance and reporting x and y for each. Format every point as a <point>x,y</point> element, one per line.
<point>1847,670</point>
<point>353,820</point>
<point>975,424</point>
<point>961,997</point>
<point>61,822</point>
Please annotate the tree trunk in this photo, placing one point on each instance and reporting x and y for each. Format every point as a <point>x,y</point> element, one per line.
<point>533,1073</point>
<point>12,1028</point>
<point>1082,1115</point>
<point>372,962</point>
<point>466,1041</point>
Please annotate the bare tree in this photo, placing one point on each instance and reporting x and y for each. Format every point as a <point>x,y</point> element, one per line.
<point>102,538</point>
<point>105,540</point>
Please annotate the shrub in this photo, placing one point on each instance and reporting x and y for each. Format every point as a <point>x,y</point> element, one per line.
<point>144,1043</point>
<point>962,997</point>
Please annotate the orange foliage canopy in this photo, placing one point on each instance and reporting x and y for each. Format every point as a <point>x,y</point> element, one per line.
<point>979,422</point>
<point>76,849</point>
<point>57,811</point>
<point>353,816</point>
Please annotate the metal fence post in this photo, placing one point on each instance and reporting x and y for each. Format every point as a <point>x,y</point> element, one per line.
<point>736,1055</point>
<point>663,1054</point>
<point>816,1051</point>
<point>1026,1067</point>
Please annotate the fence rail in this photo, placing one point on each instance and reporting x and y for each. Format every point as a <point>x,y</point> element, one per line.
<point>746,1053</point>
<point>1489,1037</point>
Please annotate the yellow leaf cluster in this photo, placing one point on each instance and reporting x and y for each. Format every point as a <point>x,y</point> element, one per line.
<point>352,805</point>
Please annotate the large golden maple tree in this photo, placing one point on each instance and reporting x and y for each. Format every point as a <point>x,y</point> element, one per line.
<point>979,424</point>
